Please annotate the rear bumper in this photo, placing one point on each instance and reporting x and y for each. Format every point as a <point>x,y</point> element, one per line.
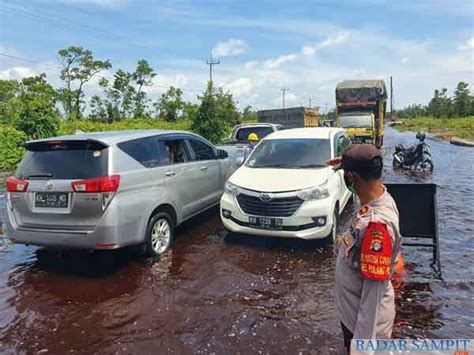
<point>111,233</point>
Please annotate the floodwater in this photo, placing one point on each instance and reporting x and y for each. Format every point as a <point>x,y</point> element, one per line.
<point>220,293</point>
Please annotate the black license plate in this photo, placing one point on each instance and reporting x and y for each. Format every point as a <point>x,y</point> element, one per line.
<point>266,222</point>
<point>51,199</point>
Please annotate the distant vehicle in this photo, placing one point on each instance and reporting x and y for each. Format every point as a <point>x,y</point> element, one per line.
<point>360,109</point>
<point>294,117</point>
<point>416,157</point>
<point>285,189</point>
<point>241,132</point>
<point>112,189</point>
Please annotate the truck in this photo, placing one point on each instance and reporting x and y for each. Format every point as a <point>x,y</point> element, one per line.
<point>292,117</point>
<point>360,109</point>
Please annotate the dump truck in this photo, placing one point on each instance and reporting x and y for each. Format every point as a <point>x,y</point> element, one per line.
<point>294,117</point>
<point>360,109</point>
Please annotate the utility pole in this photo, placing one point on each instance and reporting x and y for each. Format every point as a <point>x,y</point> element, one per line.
<point>283,91</point>
<point>326,107</point>
<point>211,61</point>
<point>310,101</point>
<point>391,100</point>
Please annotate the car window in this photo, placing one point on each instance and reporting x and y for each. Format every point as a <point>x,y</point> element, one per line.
<point>341,144</point>
<point>176,151</point>
<point>261,132</point>
<point>147,151</point>
<point>64,160</point>
<point>202,151</point>
<point>298,153</point>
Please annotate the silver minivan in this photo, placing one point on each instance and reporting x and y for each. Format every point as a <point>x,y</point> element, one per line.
<point>113,189</point>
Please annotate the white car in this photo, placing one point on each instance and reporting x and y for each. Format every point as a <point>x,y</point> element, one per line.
<point>285,189</point>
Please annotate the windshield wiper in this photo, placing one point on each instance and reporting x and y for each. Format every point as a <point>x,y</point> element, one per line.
<point>40,175</point>
<point>311,166</point>
<point>272,166</point>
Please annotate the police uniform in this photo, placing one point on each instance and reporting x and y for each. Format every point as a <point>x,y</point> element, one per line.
<point>365,262</point>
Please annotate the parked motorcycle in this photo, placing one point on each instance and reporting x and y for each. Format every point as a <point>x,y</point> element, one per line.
<point>416,157</point>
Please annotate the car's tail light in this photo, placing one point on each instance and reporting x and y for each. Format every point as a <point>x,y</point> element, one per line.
<point>14,184</point>
<point>98,184</point>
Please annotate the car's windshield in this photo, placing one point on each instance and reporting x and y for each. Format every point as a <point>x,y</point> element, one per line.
<point>261,132</point>
<point>362,120</point>
<point>290,153</point>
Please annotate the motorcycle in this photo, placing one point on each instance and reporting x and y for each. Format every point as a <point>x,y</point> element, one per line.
<point>416,157</point>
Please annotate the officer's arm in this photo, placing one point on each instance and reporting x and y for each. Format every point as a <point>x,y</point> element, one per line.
<point>369,308</point>
<point>375,260</point>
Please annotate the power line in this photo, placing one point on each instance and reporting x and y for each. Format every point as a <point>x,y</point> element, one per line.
<point>29,60</point>
<point>42,16</point>
<point>6,55</point>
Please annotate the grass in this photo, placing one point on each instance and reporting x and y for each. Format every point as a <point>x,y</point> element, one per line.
<point>442,128</point>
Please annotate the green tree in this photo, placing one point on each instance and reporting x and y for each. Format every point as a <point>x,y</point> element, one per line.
<point>119,96</point>
<point>248,115</point>
<point>462,100</point>
<point>170,105</point>
<point>78,67</point>
<point>216,115</point>
<point>33,110</point>
<point>143,77</point>
<point>9,89</point>
<point>190,110</point>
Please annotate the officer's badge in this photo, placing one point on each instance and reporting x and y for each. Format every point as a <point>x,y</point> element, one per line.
<point>347,240</point>
<point>376,245</point>
<point>363,210</point>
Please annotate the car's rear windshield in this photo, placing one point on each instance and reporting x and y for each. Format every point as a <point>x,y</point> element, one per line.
<point>64,160</point>
<point>290,153</point>
<point>261,132</point>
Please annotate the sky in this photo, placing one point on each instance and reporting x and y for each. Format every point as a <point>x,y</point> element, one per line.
<point>263,46</point>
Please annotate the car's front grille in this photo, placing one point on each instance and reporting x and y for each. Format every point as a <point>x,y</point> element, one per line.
<point>275,207</point>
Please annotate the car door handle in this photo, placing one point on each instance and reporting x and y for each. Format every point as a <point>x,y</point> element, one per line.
<point>203,168</point>
<point>170,173</point>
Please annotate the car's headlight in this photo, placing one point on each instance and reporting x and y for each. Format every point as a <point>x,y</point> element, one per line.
<point>313,193</point>
<point>232,189</point>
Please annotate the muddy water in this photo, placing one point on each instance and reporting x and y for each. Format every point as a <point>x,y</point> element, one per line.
<point>215,292</point>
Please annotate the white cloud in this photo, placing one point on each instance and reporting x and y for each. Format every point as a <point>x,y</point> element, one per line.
<point>100,3</point>
<point>17,73</point>
<point>229,48</point>
<point>468,45</point>
<point>277,62</point>
<point>240,86</point>
<point>405,60</point>
<point>330,41</point>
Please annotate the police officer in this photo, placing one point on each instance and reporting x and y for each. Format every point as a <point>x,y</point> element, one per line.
<point>253,140</point>
<point>368,251</point>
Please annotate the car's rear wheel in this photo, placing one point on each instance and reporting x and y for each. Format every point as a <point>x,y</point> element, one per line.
<point>160,233</point>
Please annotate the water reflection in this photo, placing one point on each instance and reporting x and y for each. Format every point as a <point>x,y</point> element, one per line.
<point>221,293</point>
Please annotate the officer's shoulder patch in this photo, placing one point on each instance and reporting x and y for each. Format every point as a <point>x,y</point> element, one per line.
<point>376,252</point>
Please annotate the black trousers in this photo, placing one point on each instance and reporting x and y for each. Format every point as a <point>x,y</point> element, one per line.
<point>347,337</point>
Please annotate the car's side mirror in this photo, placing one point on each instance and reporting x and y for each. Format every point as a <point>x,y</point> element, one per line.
<point>222,154</point>
<point>239,161</point>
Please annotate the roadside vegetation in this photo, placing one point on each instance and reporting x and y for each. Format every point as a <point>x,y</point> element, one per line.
<point>444,117</point>
<point>31,108</point>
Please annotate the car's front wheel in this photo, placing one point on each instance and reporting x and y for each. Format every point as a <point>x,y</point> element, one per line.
<point>160,233</point>
<point>333,233</point>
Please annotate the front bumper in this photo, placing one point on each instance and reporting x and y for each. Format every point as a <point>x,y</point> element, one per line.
<point>299,225</point>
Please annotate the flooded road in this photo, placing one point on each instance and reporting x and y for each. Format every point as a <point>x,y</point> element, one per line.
<point>220,293</point>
